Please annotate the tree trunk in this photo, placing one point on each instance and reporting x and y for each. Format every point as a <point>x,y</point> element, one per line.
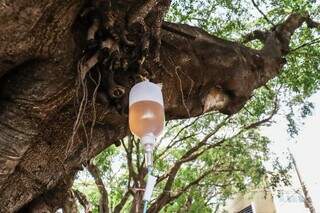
<point>41,43</point>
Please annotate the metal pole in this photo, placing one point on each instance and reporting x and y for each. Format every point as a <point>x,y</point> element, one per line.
<point>307,198</point>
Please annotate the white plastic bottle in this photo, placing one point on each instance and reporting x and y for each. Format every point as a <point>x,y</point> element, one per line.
<point>146,114</point>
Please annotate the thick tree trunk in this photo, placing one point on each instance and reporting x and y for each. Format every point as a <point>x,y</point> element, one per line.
<point>41,42</point>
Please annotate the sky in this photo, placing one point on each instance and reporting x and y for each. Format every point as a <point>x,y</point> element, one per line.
<point>305,148</point>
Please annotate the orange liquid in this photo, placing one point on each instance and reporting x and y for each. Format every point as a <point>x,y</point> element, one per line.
<point>146,117</point>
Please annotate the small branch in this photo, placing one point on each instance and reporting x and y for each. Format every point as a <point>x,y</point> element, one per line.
<point>122,203</point>
<point>190,155</point>
<point>137,146</point>
<point>314,41</point>
<point>103,203</point>
<point>197,181</point>
<point>174,141</point>
<point>312,24</point>
<point>85,66</point>
<point>193,183</point>
<point>165,152</point>
<point>255,35</point>
<point>262,13</point>
<point>166,197</point>
<point>167,133</point>
<point>198,154</point>
<point>128,150</point>
<point>265,120</point>
<point>83,200</point>
<point>204,140</point>
<point>185,127</point>
<point>125,197</point>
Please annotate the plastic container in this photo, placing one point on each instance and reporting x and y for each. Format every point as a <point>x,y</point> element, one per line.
<point>146,115</point>
<point>146,111</point>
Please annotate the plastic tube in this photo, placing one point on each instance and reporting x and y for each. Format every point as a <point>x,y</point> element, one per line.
<point>151,182</point>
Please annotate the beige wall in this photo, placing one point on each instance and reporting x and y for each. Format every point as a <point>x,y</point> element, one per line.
<point>261,202</point>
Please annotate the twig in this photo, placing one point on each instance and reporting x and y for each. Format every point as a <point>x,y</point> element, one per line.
<point>314,41</point>
<point>265,120</point>
<point>262,13</point>
<point>174,141</point>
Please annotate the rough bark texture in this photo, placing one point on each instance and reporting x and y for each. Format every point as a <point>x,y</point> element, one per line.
<point>41,43</point>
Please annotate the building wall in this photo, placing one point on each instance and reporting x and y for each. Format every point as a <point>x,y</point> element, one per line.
<point>262,202</point>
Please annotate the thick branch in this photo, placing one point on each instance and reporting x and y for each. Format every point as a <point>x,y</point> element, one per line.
<point>285,30</point>
<point>280,35</point>
<point>30,30</point>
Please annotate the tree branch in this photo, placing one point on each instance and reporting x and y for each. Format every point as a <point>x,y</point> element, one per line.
<point>70,204</point>
<point>265,120</point>
<point>174,141</point>
<point>255,35</point>
<point>103,203</point>
<point>122,202</point>
<point>314,41</point>
<point>198,180</point>
<point>171,174</point>
<point>262,13</point>
<point>130,165</point>
<point>311,23</point>
<point>83,201</point>
<point>192,154</point>
<point>281,33</point>
<point>286,29</point>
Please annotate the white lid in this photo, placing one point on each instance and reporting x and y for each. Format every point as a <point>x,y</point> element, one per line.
<point>145,91</point>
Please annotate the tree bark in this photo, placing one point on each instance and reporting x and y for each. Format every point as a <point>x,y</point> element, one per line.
<point>41,43</point>
<point>83,201</point>
<point>103,202</point>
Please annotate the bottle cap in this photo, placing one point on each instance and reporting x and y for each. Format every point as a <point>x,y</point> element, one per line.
<point>145,91</point>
